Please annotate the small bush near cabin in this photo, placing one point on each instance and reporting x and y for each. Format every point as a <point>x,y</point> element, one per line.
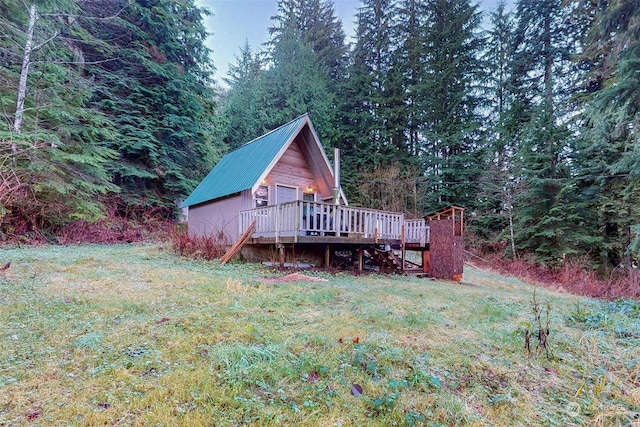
<point>198,247</point>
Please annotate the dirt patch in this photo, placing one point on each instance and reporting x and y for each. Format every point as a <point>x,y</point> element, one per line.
<point>294,277</point>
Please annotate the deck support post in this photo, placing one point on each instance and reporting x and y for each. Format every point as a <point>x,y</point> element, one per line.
<point>426,262</point>
<point>327,256</point>
<point>360,259</point>
<point>404,251</point>
<point>282,254</point>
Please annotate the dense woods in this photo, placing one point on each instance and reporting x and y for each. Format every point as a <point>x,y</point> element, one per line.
<point>107,106</point>
<point>529,118</point>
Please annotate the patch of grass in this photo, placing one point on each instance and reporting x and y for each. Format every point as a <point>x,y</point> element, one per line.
<point>136,335</point>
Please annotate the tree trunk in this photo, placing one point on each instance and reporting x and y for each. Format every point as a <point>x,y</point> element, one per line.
<point>513,240</point>
<point>24,72</point>
<point>628,260</point>
<point>548,63</point>
<point>509,206</point>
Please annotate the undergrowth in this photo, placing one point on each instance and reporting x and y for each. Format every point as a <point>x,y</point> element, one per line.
<point>574,275</point>
<point>198,247</point>
<point>117,225</point>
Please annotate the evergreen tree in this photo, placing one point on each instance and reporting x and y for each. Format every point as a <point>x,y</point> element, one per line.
<point>547,216</point>
<point>54,148</point>
<point>607,154</point>
<point>500,181</point>
<point>152,82</point>
<point>411,30</point>
<point>450,152</point>
<point>366,140</point>
<point>296,84</point>
<point>319,28</point>
<point>243,108</point>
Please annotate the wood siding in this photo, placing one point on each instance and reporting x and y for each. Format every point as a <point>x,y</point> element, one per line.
<point>316,161</point>
<point>447,250</point>
<point>293,170</point>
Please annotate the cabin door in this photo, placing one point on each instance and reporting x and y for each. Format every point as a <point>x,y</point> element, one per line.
<point>286,194</point>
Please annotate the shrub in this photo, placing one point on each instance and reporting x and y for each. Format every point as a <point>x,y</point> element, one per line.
<point>575,275</point>
<point>198,247</point>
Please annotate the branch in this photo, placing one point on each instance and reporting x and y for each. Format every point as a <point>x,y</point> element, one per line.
<point>91,18</point>
<point>75,62</point>
<point>73,20</point>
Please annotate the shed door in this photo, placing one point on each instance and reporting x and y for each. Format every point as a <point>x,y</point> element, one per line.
<point>286,194</point>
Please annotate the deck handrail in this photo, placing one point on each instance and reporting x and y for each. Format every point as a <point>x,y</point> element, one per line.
<point>307,218</point>
<point>416,231</point>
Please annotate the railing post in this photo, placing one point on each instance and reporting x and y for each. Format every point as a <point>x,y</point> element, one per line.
<point>277,223</point>
<point>297,214</point>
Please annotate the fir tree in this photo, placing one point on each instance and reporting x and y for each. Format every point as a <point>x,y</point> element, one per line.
<point>243,107</point>
<point>296,84</point>
<point>450,152</point>
<point>500,181</point>
<point>54,149</point>
<point>319,28</point>
<point>155,89</point>
<point>368,142</point>
<point>547,216</point>
<point>607,152</point>
<point>411,30</point>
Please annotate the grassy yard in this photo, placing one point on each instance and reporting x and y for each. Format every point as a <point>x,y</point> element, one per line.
<point>134,335</point>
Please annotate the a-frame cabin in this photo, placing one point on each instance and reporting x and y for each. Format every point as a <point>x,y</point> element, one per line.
<point>278,196</point>
<point>285,165</point>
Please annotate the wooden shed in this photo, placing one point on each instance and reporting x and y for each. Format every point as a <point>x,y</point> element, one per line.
<point>445,258</point>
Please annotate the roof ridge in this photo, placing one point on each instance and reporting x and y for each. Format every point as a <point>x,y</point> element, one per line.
<point>240,169</point>
<point>270,132</point>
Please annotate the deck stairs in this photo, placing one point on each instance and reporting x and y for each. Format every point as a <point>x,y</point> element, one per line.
<point>387,260</point>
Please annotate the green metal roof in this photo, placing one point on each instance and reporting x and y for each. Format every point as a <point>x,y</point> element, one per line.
<point>243,167</point>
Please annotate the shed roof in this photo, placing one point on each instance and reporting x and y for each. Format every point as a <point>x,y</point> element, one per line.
<point>243,167</point>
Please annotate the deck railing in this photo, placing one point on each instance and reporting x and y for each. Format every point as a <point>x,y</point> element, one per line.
<point>416,231</point>
<point>303,218</point>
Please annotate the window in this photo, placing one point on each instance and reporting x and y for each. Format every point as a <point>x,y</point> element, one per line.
<point>262,196</point>
<point>285,194</point>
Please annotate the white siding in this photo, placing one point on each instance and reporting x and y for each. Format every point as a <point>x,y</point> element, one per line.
<point>216,217</point>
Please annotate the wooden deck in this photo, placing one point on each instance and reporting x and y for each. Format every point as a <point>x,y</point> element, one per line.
<point>311,233</point>
<point>323,223</point>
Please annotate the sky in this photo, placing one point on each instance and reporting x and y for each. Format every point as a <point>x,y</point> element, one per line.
<point>234,21</point>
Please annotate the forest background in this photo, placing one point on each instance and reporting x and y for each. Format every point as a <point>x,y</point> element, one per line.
<point>529,119</point>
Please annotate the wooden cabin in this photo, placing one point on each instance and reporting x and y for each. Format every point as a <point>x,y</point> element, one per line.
<point>278,198</point>
<point>285,165</point>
